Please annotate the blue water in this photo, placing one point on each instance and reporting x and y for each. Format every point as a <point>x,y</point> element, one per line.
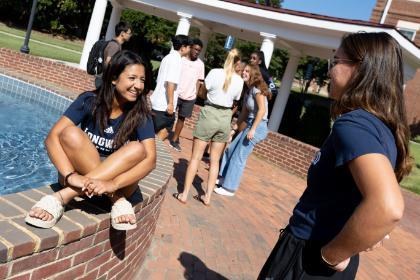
<point>24,163</point>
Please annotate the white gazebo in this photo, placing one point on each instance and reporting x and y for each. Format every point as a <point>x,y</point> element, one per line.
<point>297,32</point>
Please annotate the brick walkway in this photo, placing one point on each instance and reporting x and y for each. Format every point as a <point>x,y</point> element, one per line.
<point>232,238</point>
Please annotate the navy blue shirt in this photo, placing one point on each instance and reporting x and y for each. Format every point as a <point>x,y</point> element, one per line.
<point>332,195</point>
<point>80,112</point>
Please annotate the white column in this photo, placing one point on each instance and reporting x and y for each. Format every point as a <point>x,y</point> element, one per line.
<point>204,37</point>
<point>94,30</point>
<point>113,20</point>
<point>267,46</point>
<point>184,24</point>
<point>385,12</point>
<point>283,95</point>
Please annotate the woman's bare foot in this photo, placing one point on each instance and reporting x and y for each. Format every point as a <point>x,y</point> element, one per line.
<point>77,180</point>
<point>42,214</point>
<point>180,197</point>
<point>203,199</point>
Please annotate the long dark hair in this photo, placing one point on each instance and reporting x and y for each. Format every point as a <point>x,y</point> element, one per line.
<point>135,113</point>
<point>377,87</point>
<point>256,80</point>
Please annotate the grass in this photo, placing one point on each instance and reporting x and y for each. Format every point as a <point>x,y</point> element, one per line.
<point>7,40</point>
<point>412,182</point>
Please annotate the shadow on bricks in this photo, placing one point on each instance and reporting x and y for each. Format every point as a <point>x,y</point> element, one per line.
<point>97,204</point>
<point>180,169</point>
<point>117,240</point>
<point>197,269</point>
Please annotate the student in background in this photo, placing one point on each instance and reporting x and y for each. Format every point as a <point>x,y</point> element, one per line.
<point>163,98</point>
<point>254,115</point>
<point>192,72</point>
<point>258,58</point>
<point>123,34</point>
<point>223,87</point>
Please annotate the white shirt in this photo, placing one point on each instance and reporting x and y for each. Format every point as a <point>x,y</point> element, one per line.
<point>169,71</point>
<point>215,93</point>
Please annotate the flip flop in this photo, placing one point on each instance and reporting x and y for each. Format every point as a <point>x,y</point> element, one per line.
<point>122,207</point>
<point>176,196</point>
<point>50,204</point>
<point>200,199</point>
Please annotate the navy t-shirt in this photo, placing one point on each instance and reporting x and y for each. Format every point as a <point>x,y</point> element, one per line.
<point>80,112</point>
<point>332,195</point>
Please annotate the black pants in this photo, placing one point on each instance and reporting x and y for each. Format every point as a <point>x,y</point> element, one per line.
<point>297,259</point>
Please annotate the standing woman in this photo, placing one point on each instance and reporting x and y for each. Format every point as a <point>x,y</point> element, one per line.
<point>254,117</point>
<point>111,151</point>
<point>353,199</point>
<point>223,87</point>
<point>258,58</point>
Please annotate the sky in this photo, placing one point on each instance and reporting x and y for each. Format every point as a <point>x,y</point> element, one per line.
<point>349,9</point>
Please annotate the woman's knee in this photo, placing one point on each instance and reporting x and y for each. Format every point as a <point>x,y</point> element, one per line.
<point>136,151</point>
<point>72,137</point>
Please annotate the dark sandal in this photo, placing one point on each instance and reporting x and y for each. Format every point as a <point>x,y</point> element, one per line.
<point>199,198</point>
<point>176,196</point>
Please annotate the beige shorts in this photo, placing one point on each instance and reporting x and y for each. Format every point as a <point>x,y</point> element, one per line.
<point>213,124</point>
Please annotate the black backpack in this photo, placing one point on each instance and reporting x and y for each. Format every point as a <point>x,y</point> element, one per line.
<point>95,63</point>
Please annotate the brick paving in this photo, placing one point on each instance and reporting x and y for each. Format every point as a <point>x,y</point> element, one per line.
<point>232,238</point>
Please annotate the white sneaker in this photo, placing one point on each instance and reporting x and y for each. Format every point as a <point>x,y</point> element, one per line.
<point>223,191</point>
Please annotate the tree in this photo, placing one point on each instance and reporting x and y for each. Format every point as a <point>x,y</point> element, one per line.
<point>271,3</point>
<point>64,17</point>
<point>312,68</point>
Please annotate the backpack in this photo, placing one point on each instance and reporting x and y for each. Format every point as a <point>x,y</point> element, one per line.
<point>95,63</point>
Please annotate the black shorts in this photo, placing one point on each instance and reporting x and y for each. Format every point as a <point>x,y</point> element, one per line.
<point>185,107</point>
<point>161,120</point>
<point>294,258</point>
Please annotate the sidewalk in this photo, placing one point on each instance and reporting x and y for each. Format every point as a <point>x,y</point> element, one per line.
<point>232,238</point>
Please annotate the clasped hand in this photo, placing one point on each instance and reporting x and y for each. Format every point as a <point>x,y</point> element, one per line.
<point>91,187</point>
<point>98,187</point>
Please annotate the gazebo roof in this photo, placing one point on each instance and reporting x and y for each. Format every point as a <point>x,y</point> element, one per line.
<point>298,32</point>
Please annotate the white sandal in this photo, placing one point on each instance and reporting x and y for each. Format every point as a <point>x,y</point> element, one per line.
<point>50,204</point>
<point>120,208</point>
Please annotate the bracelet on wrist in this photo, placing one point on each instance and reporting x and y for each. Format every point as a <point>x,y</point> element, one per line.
<point>66,178</point>
<point>327,263</point>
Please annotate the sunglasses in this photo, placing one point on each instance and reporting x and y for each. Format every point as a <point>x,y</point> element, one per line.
<point>336,60</point>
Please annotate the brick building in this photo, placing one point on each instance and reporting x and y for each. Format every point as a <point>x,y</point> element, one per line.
<point>405,16</point>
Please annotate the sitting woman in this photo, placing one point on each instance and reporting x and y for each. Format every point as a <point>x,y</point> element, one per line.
<point>253,118</point>
<point>111,151</point>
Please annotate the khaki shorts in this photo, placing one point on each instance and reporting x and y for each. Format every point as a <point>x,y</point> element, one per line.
<point>213,124</point>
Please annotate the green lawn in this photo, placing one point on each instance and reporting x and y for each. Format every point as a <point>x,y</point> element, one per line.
<point>412,182</point>
<point>7,40</point>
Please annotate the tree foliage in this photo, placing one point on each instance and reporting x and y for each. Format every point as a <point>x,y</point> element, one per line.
<point>151,35</point>
<point>319,72</point>
<point>216,54</point>
<point>64,17</point>
<point>271,3</point>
